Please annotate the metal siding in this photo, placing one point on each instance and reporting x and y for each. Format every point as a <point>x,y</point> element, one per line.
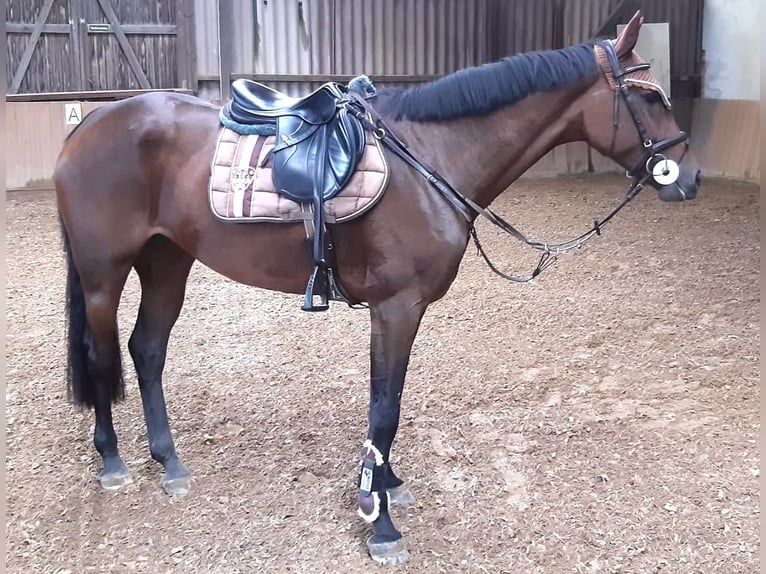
<point>523,26</point>
<point>414,37</point>
<point>684,17</point>
<point>206,34</point>
<point>244,36</point>
<point>422,37</point>
<point>582,18</point>
<point>284,41</point>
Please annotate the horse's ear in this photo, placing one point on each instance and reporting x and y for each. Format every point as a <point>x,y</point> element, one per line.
<point>626,41</point>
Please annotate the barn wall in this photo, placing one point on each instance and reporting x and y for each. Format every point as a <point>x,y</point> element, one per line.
<point>34,133</point>
<point>725,140</point>
<point>726,136</point>
<point>731,35</point>
<point>77,45</point>
<point>324,38</point>
<point>302,43</point>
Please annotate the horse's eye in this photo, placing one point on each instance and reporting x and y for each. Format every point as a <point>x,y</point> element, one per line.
<point>651,97</point>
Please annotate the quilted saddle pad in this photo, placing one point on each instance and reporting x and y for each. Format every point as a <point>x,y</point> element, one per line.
<point>241,187</point>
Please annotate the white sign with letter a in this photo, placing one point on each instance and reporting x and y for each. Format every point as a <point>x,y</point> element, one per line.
<point>73,113</point>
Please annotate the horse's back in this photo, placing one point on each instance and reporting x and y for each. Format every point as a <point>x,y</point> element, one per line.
<point>118,142</point>
<point>134,119</point>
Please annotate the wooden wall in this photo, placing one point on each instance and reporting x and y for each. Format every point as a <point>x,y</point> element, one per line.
<point>725,139</point>
<point>34,133</point>
<point>77,45</point>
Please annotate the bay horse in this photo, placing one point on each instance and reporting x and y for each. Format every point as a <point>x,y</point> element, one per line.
<point>131,186</point>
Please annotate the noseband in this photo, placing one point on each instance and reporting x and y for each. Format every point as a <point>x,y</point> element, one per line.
<point>663,170</point>
<point>652,165</point>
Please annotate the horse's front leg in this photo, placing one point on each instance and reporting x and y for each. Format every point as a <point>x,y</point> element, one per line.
<point>395,323</point>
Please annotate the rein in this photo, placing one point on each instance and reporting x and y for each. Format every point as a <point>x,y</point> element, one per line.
<point>651,158</point>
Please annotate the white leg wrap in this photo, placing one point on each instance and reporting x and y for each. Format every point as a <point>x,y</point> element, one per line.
<point>371,448</point>
<point>369,452</point>
<point>370,518</point>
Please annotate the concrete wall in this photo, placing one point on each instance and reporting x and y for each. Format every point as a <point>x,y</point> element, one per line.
<point>731,39</point>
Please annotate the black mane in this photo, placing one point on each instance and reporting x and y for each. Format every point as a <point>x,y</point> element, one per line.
<point>481,89</point>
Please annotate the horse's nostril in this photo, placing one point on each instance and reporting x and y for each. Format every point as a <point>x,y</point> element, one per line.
<point>698,178</point>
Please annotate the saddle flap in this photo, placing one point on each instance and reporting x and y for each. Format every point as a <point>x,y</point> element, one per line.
<point>311,162</point>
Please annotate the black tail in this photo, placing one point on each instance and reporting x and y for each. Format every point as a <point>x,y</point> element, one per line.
<point>81,385</point>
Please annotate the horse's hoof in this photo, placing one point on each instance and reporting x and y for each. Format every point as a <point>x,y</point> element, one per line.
<point>177,486</point>
<point>401,495</point>
<point>388,553</point>
<point>115,480</point>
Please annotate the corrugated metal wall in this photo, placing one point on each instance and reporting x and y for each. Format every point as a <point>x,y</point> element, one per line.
<point>420,37</point>
<point>416,37</point>
<point>583,19</point>
<point>348,37</point>
<point>524,25</point>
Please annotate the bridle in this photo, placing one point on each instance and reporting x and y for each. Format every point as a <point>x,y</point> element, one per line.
<point>664,171</point>
<point>652,165</point>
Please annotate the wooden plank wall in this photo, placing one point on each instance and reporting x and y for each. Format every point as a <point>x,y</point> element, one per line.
<point>35,132</point>
<point>74,45</point>
<point>725,139</point>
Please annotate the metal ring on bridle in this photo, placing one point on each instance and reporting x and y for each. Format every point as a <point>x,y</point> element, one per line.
<point>657,156</point>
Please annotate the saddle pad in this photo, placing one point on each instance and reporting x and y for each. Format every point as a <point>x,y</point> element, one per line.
<point>241,187</point>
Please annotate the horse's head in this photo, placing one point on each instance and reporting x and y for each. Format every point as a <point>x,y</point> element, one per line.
<point>627,117</point>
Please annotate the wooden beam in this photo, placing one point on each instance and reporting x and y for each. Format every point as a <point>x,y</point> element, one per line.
<point>22,28</point>
<point>185,45</point>
<point>95,95</point>
<point>135,65</point>
<point>150,29</point>
<point>129,29</point>
<point>79,42</point>
<point>42,17</point>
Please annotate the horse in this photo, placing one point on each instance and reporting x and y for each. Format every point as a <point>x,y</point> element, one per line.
<point>131,184</point>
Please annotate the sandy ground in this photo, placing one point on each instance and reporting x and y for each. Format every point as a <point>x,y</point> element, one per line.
<point>602,419</point>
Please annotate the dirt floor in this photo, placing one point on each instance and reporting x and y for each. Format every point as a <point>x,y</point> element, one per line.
<point>602,419</point>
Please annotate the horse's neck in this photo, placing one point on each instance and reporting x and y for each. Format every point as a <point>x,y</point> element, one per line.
<point>482,156</point>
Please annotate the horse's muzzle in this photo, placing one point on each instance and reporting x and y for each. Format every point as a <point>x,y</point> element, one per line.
<point>684,188</point>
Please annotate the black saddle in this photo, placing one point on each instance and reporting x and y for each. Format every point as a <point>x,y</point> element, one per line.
<point>318,147</point>
<point>253,102</point>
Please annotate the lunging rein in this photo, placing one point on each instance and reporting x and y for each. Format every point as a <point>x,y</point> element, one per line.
<point>652,165</point>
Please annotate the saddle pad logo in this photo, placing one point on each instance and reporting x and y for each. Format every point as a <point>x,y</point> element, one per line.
<point>241,178</point>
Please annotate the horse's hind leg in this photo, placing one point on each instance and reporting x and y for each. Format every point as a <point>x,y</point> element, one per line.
<point>94,363</point>
<point>163,269</point>
<point>105,368</point>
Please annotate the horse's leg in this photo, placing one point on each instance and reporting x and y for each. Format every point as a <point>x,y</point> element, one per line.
<point>95,362</point>
<point>105,369</point>
<point>395,323</point>
<point>163,269</point>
